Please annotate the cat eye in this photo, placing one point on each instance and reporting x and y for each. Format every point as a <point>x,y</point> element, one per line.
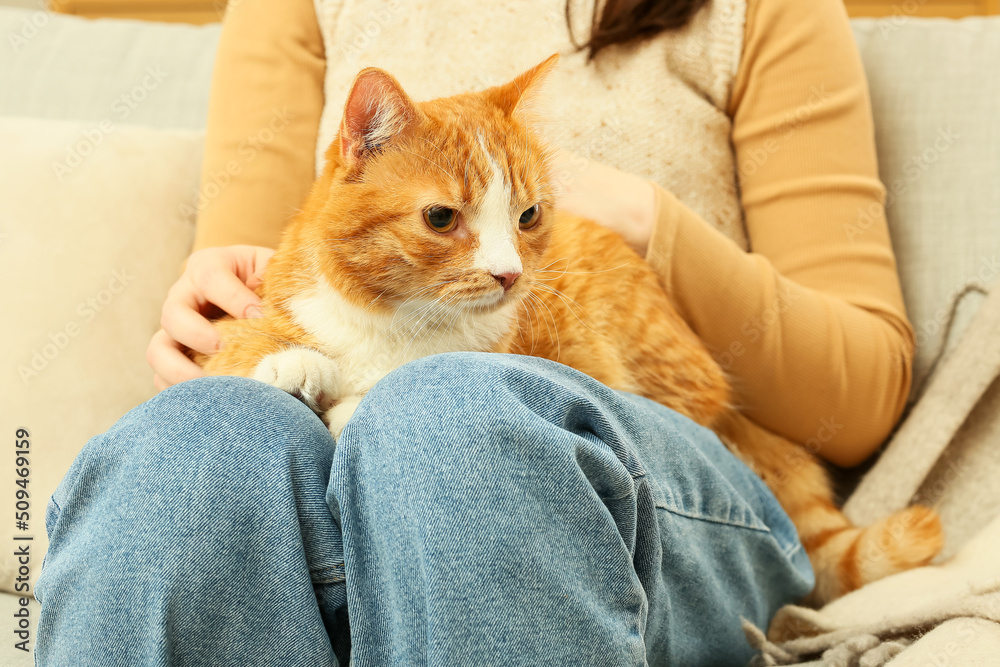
<point>441,219</point>
<point>530,217</point>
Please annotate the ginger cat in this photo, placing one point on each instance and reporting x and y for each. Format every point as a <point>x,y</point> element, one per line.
<point>432,229</point>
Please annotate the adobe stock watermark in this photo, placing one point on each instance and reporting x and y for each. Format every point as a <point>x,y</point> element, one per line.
<point>985,274</point>
<point>365,34</point>
<point>719,24</point>
<point>609,133</point>
<point>755,328</point>
<point>29,28</point>
<point>86,312</point>
<point>913,169</point>
<point>122,108</point>
<point>898,16</point>
<point>213,184</point>
<point>222,6</point>
<point>808,450</point>
<point>790,122</point>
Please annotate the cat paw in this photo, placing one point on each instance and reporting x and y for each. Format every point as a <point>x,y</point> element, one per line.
<point>308,375</point>
<point>338,416</point>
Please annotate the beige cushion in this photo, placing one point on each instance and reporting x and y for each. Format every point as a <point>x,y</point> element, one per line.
<point>135,72</point>
<point>935,96</point>
<point>86,257</point>
<point>864,624</point>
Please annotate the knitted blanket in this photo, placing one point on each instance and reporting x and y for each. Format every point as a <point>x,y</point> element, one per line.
<point>947,454</point>
<point>872,626</point>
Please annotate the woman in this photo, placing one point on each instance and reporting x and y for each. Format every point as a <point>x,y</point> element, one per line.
<point>541,518</point>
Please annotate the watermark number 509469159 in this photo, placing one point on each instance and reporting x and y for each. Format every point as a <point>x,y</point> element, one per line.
<point>22,543</point>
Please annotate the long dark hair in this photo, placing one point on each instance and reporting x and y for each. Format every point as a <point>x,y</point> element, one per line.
<point>625,21</point>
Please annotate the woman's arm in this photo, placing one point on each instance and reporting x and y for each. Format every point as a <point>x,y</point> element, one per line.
<point>263,122</point>
<point>811,324</point>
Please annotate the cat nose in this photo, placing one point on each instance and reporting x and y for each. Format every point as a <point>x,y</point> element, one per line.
<point>506,280</point>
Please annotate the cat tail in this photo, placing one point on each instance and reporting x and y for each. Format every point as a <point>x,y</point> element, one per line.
<point>844,556</point>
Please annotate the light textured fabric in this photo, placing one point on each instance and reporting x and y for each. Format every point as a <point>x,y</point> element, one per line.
<point>962,486</point>
<point>938,144</point>
<point>135,72</point>
<point>87,256</point>
<point>666,91</point>
<point>935,96</point>
<point>953,392</point>
<point>965,642</point>
<point>871,625</point>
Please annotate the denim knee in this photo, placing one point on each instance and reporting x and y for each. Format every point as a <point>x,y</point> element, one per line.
<point>218,441</point>
<point>455,391</point>
<point>489,406</point>
<point>217,421</point>
<point>188,527</point>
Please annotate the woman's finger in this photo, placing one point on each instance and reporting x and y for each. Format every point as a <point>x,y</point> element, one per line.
<point>189,327</point>
<point>223,288</point>
<point>168,362</point>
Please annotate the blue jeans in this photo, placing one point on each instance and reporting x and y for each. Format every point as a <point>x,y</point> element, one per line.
<point>479,509</point>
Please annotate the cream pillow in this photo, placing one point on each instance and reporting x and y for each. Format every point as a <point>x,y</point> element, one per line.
<point>95,223</point>
<point>935,95</point>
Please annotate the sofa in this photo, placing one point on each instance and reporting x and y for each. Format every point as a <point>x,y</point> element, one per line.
<point>102,126</point>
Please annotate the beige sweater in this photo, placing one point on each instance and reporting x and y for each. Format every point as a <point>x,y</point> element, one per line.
<point>757,112</point>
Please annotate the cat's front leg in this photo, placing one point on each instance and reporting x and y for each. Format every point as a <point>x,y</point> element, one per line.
<point>337,416</point>
<point>308,375</point>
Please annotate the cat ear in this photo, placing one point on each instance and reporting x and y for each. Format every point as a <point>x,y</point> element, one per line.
<point>521,94</point>
<point>377,110</point>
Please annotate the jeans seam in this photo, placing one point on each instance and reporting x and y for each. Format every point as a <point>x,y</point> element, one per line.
<point>724,522</point>
<point>335,572</point>
<point>792,548</point>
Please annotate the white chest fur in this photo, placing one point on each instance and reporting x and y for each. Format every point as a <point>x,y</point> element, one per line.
<point>368,345</point>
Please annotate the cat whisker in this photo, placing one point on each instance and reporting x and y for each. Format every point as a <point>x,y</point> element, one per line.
<point>567,300</point>
<point>373,301</point>
<point>561,259</point>
<point>420,313</point>
<point>554,331</point>
<point>468,161</point>
<point>577,273</point>
<point>433,308</point>
<point>443,170</point>
<point>410,322</point>
<point>395,325</point>
<point>420,292</point>
<point>438,149</point>
<point>531,324</point>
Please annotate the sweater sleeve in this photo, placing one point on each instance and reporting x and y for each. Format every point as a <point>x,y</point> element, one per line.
<point>810,324</point>
<point>263,120</point>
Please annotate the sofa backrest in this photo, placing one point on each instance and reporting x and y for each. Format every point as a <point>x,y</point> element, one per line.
<point>936,102</point>
<point>134,72</point>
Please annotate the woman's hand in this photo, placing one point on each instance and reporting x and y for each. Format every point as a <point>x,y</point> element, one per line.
<point>214,280</point>
<point>618,200</point>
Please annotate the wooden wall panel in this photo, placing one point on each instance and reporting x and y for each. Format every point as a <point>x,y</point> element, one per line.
<point>207,11</point>
<point>175,11</point>
<point>946,8</point>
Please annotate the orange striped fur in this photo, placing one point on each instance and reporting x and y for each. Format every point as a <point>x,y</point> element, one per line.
<point>362,284</point>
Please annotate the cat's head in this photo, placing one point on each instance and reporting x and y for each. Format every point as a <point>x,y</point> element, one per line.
<point>449,200</point>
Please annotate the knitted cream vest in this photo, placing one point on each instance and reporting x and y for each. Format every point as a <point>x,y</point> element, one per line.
<point>655,109</point>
